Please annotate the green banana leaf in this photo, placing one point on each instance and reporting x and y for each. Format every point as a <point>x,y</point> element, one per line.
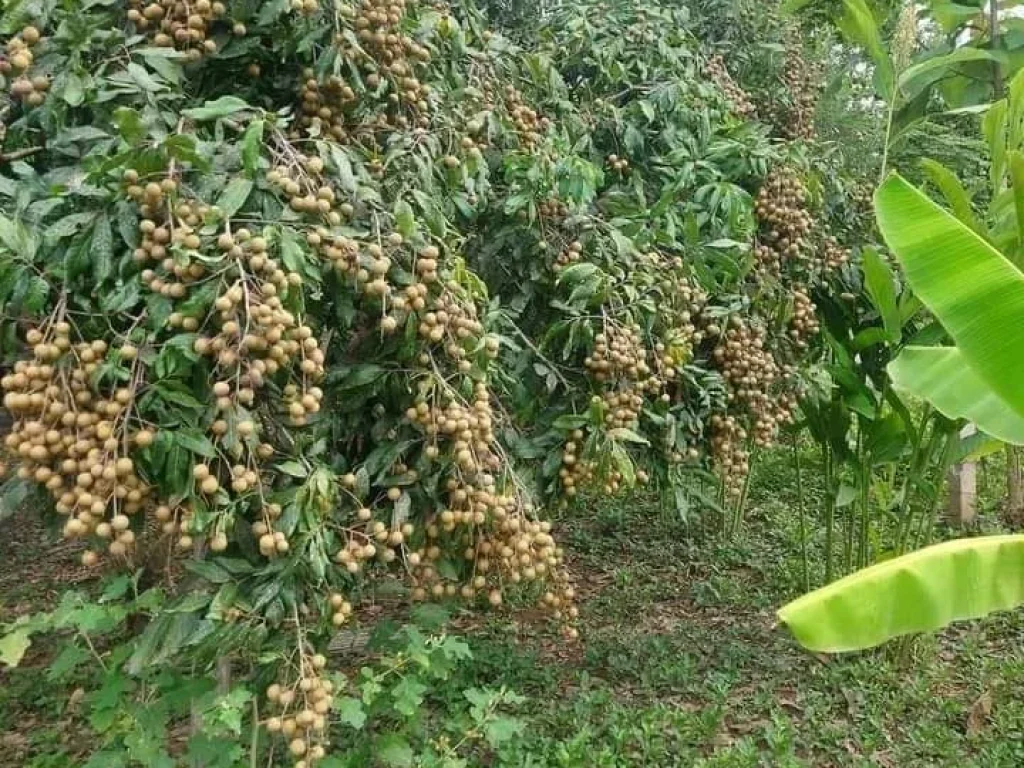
<point>975,292</point>
<point>920,592</point>
<point>940,376</point>
<point>918,77</point>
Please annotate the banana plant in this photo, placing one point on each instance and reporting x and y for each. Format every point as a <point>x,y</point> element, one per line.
<point>977,294</point>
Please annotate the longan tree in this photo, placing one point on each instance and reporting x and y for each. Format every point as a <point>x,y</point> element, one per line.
<point>303,298</point>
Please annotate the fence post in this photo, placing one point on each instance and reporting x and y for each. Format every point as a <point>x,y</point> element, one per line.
<point>963,487</point>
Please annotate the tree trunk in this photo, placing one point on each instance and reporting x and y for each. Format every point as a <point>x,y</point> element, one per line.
<point>1013,514</point>
<point>993,34</point>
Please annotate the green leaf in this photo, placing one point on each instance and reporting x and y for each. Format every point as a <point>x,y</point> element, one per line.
<point>143,79</point>
<point>252,144</point>
<point>351,712</point>
<point>73,91</point>
<point>859,26</point>
<point>1016,162</point>
<point>234,196</point>
<point>69,659</point>
<point>218,108</point>
<point>920,592</point>
<point>881,287</point>
<point>974,291</point>
<point>627,435</point>
<point>13,646</point>
<point>940,376</point>
<point>405,222</point>
<point>408,695</point>
<point>503,729</point>
<point>196,441</point>
<point>915,79</point>
<point>953,191</point>
<point>393,750</point>
<point>993,125</point>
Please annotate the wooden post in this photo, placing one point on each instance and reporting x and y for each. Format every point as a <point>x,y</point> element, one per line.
<point>963,487</point>
<point>1013,511</point>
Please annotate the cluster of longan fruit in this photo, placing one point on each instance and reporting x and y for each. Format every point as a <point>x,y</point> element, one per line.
<point>301,182</point>
<point>301,711</point>
<point>269,541</point>
<point>571,254</point>
<point>618,164</point>
<point>305,7</point>
<point>166,226</point>
<point>17,60</point>
<point>617,353</point>
<point>259,337</point>
<point>324,104</point>
<point>500,545</point>
<point>526,121</point>
<point>729,454</point>
<point>182,25</point>
<point>377,541</point>
<point>75,438</point>
<point>804,323</point>
<point>832,255</point>
<point>575,472</point>
<point>718,73</point>
<point>468,428</point>
<point>386,54</point>
<point>684,301</point>
<point>553,209</point>
<point>784,220</point>
<point>802,80</point>
<point>752,375</point>
<point>452,320</point>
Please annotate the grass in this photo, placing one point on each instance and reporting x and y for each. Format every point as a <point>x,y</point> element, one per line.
<point>681,663</point>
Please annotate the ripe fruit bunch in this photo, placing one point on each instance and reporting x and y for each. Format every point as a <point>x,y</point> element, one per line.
<point>185,26</point>
<point>389,59</point>
<point>301,709</point>
<point>786,224</point>
<point>804,322</point>
<point>553,210</point>
<point>729,453</point>
<point>831,255</point>
<point>75,431</point>
<point>300,178</point>
<point>754,379</point>
<point>802,80</point>
<point>716,71</point>
<point>16,62</point>
<point>169,222</point>
<point>618,164</point>
<point>576,471</point>
<point>324,105</point>
<point>571,254</point>
<point>526,121</point>
<point>489,529</point>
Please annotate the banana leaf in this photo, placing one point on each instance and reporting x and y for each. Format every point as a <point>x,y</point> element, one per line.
<point>975,292</point>
<point>940,376</point>
<point>920,592</point>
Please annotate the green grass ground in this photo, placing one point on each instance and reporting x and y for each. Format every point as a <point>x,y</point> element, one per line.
<point>680,662</point>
